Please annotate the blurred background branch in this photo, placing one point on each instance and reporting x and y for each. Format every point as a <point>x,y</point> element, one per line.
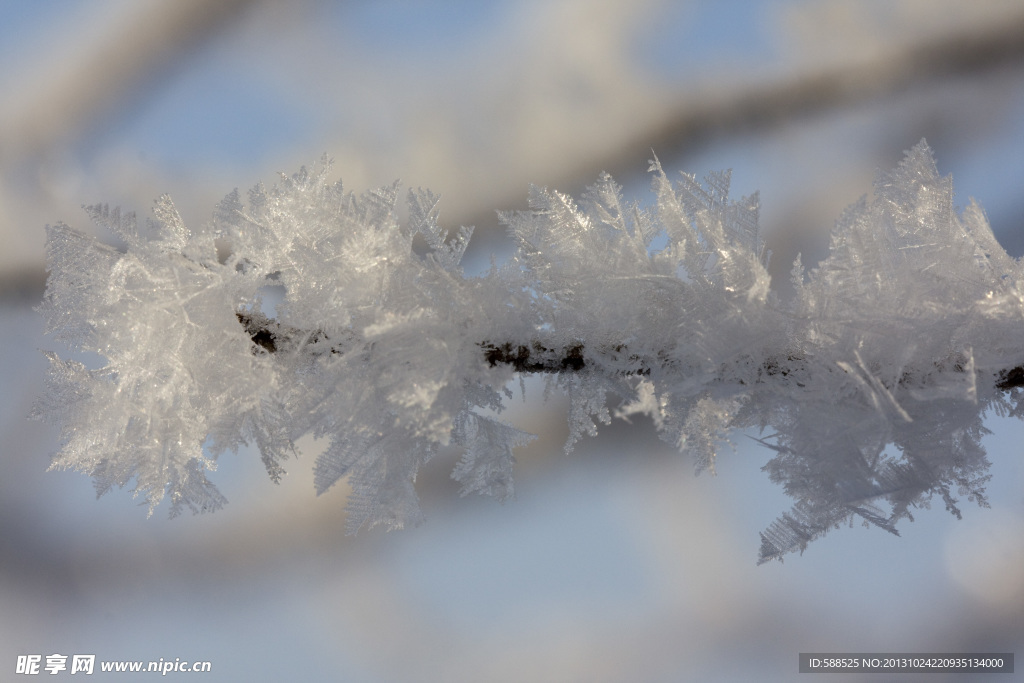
<point>117,68</point>
<point>111,71</point>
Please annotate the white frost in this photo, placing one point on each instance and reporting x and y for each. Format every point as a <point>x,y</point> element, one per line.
<point>873,380</point>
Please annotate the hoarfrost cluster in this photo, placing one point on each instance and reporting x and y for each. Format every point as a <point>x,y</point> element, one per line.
<point>870,385</point>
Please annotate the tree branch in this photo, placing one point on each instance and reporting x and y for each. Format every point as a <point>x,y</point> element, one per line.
<point>270,336</point>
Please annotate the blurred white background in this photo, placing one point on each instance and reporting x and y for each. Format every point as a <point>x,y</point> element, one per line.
<point>614,563</point>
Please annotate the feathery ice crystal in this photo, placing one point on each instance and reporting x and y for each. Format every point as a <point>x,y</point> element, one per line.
<point>871,384</point>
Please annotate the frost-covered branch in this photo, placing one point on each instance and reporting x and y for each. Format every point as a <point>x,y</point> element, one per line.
<point>870,386</point>
<point>532,356</point>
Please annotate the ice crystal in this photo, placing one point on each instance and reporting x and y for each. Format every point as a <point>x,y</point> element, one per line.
<point>872,383</point>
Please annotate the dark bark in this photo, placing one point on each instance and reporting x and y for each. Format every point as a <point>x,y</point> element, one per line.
<point>270,336</point>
